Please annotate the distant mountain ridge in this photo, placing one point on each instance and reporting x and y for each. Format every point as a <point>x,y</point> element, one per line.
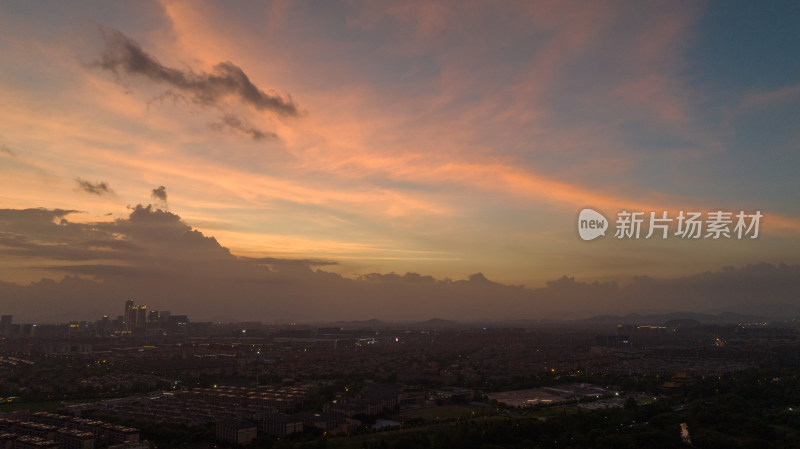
<point>658,319</point>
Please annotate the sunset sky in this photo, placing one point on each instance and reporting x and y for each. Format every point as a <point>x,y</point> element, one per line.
<point>439,138</point>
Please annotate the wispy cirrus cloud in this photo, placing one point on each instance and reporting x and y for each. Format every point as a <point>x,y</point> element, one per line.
<point>454,130</point>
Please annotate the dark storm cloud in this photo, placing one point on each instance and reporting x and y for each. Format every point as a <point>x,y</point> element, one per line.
<point>124,56</point>
<point>34,214</point>
<point>33,233</point>
<point>32,221</point>
<point>110,271</point>
<point>97,188</point>
<point>18,243</point>
<point>238,124</point>
<point>46,234</point>
<point>149,238</point>
<point>159,194</point>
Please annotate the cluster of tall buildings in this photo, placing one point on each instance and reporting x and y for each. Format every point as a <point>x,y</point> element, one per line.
<point>135,320</point>
<point>135,317</point>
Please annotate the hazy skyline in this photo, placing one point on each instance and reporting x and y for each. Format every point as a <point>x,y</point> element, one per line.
<point>164,263</point>
<point>367,138</point>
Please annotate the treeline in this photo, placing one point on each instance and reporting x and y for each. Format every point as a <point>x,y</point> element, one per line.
<point>756,409</point>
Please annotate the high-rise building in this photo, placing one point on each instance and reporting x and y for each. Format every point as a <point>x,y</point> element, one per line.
<point>103,324</point>
<point>141,317</point>
<point>135,316</point>
<point>129,318</point>
<point>5,324</point>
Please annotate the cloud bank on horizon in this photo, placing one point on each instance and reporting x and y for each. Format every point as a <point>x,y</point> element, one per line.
<point>155,257</point>
<point>441,138</point>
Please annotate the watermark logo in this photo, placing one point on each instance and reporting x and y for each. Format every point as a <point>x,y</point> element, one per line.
<point>591,224</point>
<point>684,225</point>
